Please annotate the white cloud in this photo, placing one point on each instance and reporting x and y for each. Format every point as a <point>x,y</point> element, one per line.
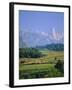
<point>56,35</point>
<point>44,33</point>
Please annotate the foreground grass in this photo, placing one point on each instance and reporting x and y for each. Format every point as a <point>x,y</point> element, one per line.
<point>39,71</point>
<point>36,67</point>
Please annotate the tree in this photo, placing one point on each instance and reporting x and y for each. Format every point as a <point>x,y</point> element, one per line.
<point>29,53</point>
<point>60,65</point>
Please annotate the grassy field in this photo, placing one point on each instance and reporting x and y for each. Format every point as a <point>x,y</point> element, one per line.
<point>43,67</point>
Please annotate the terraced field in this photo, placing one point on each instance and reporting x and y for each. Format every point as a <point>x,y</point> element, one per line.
<point>43,67</point>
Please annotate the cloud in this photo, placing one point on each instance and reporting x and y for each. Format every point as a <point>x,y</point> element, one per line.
<point>57,36</point>
<point>44,33</point>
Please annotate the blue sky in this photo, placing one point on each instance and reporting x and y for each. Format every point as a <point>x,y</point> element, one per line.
<point>43,22</point>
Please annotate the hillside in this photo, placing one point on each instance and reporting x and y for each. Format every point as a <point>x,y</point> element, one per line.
<point>55,47</point>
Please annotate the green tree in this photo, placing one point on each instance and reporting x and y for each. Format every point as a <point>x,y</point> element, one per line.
<point>29,53</point>
<point>60,65</point>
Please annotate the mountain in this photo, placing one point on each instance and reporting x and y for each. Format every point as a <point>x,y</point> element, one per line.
<point>33,39</point>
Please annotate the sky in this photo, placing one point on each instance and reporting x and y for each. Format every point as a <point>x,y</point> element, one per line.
<point>48,24</point>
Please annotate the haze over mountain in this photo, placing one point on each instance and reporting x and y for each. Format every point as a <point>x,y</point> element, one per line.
<point>38,38</point>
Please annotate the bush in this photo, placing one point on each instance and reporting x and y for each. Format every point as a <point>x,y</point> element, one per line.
<point>29,53</point>
<point>60,65</point>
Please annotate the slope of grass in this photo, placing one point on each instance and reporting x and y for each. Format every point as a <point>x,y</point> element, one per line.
<point>49,57</point>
